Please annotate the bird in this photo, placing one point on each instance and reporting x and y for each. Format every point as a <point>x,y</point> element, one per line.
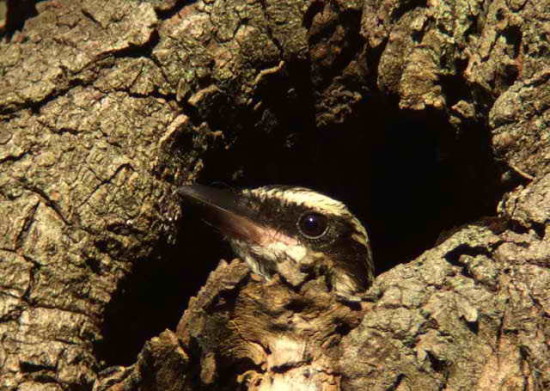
<point>294,232</point>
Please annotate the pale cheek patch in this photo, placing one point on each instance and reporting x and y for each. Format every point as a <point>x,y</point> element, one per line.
<point>279,251</point>
<point>272,252</point>
<point>295,252</point>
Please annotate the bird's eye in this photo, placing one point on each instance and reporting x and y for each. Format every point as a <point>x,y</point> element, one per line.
<point>313,225</point>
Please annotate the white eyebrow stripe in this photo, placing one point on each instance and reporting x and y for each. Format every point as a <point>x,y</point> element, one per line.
<point>314,201</point>
<point>305,197</point>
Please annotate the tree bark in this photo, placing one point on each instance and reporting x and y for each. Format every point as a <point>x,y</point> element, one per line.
<point>107,106</point>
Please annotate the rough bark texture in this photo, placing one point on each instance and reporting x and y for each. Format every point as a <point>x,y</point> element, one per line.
<point>106,106</point>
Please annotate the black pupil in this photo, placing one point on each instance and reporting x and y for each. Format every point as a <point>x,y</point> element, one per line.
<point>313,224</point>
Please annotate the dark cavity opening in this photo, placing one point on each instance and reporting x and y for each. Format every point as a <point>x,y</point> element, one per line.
<point>14,14</point>
<point>409,177</point>
<point>156,293</point>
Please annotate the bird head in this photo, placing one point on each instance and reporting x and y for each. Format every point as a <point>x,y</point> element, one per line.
<point>291,231</point>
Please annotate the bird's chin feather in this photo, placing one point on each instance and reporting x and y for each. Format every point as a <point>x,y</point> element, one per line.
<point>274,253</point>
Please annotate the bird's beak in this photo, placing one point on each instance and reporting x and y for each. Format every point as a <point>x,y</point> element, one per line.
<point>225,210</point>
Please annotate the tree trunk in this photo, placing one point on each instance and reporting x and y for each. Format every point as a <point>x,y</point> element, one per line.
<point>107,106</point>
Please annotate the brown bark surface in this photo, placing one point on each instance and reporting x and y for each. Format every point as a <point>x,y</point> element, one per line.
<point>107,106</point>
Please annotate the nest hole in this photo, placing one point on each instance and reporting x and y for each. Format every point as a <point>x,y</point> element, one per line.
<point>409,177</point>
